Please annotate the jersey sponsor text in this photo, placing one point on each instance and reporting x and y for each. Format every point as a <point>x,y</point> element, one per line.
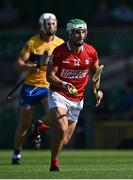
<point>73,74</point>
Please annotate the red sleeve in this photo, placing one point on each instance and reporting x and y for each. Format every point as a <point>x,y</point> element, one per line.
<point>92,53</point>
<point>95,56</point>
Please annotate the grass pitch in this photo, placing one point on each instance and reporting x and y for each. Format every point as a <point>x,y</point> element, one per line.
<point>81,164</point>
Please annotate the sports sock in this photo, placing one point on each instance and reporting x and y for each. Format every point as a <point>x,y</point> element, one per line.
<point>16,151</point>
<point>42,128</point>
<point>16,154</point>
<point>54,162</point>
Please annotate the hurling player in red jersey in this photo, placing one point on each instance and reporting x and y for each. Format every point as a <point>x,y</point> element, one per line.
<point>69,67</point>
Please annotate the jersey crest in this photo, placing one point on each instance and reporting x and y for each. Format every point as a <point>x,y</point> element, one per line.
<point>76,62</point>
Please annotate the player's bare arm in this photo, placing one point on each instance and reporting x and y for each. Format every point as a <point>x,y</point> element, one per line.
<point>96,82</point>
<point>22,63</point>
<point>53,79</point>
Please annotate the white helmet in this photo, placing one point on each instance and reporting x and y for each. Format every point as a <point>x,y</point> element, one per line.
<point>76,24</point>
<point>46,17</point>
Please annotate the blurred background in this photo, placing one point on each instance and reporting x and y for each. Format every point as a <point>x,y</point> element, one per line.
<point>110,31</point>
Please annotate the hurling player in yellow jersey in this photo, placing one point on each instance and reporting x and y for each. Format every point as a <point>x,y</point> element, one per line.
<point>33,61</point>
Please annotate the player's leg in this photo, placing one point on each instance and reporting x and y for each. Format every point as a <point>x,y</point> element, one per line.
<point>58,132</point>
<point>27,101</point>
<point>70,131</point>
<point>24,122</point>
<point>43,127</point>
<point>73,115</point>
<point>38,127</point>
<point>58,126</point>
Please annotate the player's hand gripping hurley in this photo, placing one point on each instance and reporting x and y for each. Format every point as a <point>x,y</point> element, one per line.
<point>43,61</point>
<point>96,82</point>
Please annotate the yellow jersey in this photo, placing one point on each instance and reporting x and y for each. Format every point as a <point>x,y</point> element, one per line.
<point>34,49</point>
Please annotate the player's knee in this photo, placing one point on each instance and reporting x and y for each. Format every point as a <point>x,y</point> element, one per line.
<point>21,132</point>
<point>24,126</point>
<point>67,138</point>
<point>66,141</point>
<point>63,131</point>
<point>62,128</point>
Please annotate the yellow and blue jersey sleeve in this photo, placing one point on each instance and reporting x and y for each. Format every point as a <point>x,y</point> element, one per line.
<point>34,50</point>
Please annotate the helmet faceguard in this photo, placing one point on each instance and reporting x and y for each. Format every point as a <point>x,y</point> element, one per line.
<point>76,24</point>
<point>46,17</point>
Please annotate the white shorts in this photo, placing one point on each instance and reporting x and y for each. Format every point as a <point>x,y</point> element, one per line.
<point>74,107</point>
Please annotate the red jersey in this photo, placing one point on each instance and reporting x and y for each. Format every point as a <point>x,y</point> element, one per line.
<point>73,68</point>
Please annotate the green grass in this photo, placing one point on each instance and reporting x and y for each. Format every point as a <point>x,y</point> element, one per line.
<point>86,164</point>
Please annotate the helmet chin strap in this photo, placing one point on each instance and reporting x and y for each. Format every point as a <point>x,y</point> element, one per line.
<point>76,44</point>
<point>42,29</point>
<point>50,34</point>
<point>79,44</point>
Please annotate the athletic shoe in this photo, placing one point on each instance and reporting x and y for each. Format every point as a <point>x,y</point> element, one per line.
<point>37,141</point>
<point>35,135</point>
<point>54,168</point>
<point>16,159</point>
